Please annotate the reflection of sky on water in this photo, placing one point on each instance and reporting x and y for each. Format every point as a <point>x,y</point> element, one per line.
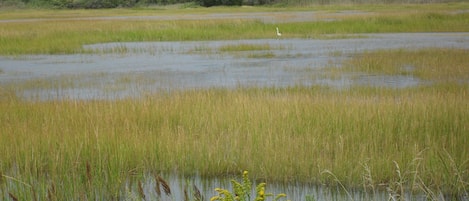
<point>130,69</point>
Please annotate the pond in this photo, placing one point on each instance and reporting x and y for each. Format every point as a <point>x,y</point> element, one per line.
<point>117,70</point>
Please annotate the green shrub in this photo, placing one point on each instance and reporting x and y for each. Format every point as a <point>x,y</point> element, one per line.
<point>242,191</point>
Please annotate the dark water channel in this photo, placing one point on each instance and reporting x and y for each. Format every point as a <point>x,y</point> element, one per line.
<point>116,70</point>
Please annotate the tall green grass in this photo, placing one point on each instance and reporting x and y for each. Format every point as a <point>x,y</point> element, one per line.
<point>277,134</point>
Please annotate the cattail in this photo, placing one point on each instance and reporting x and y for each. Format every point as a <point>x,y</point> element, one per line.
<point>13,197</point>
<point>165,186</point>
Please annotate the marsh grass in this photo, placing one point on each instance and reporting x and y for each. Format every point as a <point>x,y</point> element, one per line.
<point>434,64</point>
<point>261,55</point>
<point>254,50</point>
<point>245,47</point>
<point>65,36</point>
<point>297,132</point>
<point>242,50</point>
<point>405,140</point>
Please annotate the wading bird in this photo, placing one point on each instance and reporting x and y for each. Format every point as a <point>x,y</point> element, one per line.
<point>278,33</point>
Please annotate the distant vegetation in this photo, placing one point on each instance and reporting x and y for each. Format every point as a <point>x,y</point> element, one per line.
<point>69,36</point>
<point>92,4</point>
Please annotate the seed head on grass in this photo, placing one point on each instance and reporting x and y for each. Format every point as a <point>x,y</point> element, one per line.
<point>13,197</point>
<point>165,185</point>
<point>140,190</point>
<point>197,195</point>
<point>157,186</point>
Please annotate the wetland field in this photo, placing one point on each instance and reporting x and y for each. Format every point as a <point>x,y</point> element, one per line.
<point>351,102</point>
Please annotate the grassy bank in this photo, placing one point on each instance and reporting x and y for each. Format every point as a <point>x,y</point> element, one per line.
<point>403,139</point>
<point>67,34</point>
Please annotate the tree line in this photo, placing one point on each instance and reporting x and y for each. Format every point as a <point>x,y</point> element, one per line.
<point>94,4</point>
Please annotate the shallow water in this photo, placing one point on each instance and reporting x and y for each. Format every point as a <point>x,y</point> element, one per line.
<point>132,69</point>
<point>294,191</point>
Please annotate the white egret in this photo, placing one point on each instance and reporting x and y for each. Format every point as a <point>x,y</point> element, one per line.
<point>278,33</point>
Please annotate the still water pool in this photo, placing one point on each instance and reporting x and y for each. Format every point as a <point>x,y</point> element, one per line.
<point>116,70</point>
